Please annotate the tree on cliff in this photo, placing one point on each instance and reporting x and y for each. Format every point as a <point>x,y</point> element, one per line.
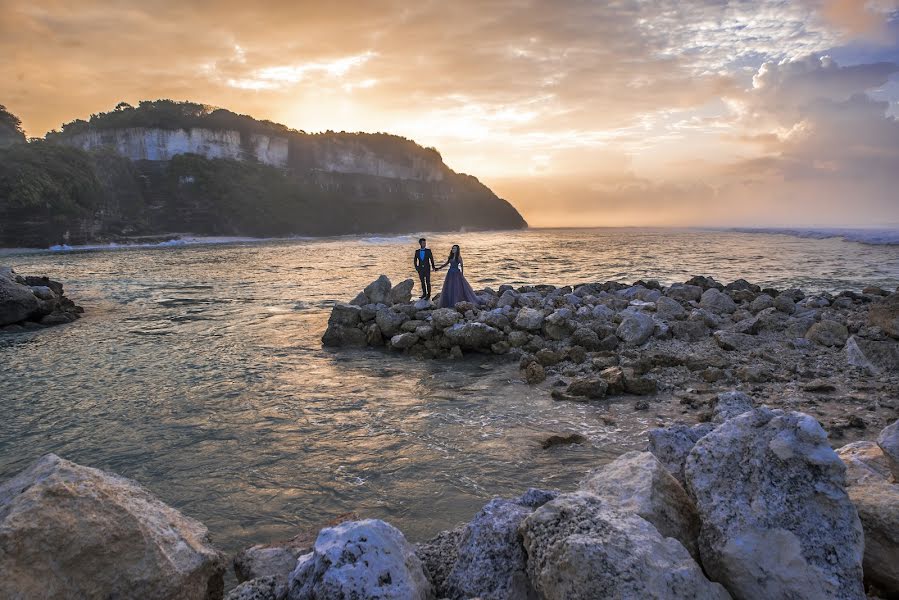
<point>10,128</point>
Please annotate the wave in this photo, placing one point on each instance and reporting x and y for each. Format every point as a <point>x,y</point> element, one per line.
<point>877,237</point>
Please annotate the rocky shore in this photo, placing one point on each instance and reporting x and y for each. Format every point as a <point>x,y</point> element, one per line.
<point>32,303</point>
<point>753,504</point>
<point>835,355</point>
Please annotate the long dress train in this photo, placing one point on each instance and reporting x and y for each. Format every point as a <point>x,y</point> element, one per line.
<point>456,288</point>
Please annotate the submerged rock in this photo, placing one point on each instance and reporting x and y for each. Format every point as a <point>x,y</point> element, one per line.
<point>68,531</point>
<point>776,521</point>
<point>363,560</point>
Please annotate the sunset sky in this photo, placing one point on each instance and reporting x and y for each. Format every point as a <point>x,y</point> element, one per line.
<point>627,112</point>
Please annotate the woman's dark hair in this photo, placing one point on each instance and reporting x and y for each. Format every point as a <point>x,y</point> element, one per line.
<point>458,254</point>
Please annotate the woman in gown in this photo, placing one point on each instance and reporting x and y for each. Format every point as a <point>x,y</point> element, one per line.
<point>455,288</point>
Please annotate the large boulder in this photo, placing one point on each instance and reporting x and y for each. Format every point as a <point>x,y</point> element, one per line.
<point>685,292</point>
<point>776,519</point>
<point>888,440</point>
<point>731,404</point>
<point>445,317</point>
<point>638,483</point>
<point>635,328</point>
<point>345,314</point>
<point>872,356</point>
<point>362,560</point>
<point>671,445</point>
<point>68,531</point>
<point>378,291</point>
<point>885,314</point>
<point>401,293</point>
<point>581,547</point>
<point>828,333</point>
<point>472,336</point>
<point>529,319</point>
<point>338,336</point>
<point>669,309</point>
<point>717,302</point>
<point>17,301</point>
<point>390,322</point>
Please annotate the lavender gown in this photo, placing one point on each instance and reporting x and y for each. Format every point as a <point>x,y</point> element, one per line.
<point>455,288</point>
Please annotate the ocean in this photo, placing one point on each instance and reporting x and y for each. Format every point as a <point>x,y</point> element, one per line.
<point>198,371</point>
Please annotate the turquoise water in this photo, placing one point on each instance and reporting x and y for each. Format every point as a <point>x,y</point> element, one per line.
<point>198,371</point>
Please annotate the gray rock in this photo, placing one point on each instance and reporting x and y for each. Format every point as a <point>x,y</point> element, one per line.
<point>378,291</point>
<point>865,460</point>
<point>338,336</point>
<point>828,333</point>
<point>635,329</point>
<point>883,314</point>
<point>529,319</point>
<point>730,341</point>
<point>776,521</point>
<point>690,331</point>
<point>345,314</point>
<point>263,588</point>
<point>445,317</point>
<point>586,338</point>
<point>373,335</point>
<point>888,440</point>
<point>671,445</point>
<point>717,302</point>
<point>687,293</point>
<point>362,560</point>
<point>784,303</point>
<point>534,373</point>
<point>517,339</point>
<point>390,322</point>
<point>580,547</point>
<point>670,309</point>
<point>472,336</point>
<point>731,404</point>
<point>68,531</point>
<point>360,300</point>
<point>404,341</point>
<point>761,302</point>
<point>873,356</point>
<point>438,557</point>
<point>17,301</point>
<point>401,293</point>
<point>590,387</point>
<point>638,483</point>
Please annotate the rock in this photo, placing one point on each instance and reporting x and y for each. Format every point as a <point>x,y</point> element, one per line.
<point>819,385</point>
<point>17,301</point>
<point>534,373</point>
<point>472,336</point>
<point>345,314</point>
<point>443,318</point>
<point>586,338</point>
<point>776,521</point>
<point>562,439</point>
<point>638,384</point>
<point>754,374</point>
<point>672,445</point>
<point>828,333</point>
<point>401,293</point>
<point>360,300</point>
<point>669,309</point>
<point>455,353</point>
<point>403,341</point>
<point>438,556</point>
<point>638,483</point>
<point>547,357</point>
<point>373,335</point>
<point>338,336</point>
<point>529,319</point>
<point>500,347</point>
<point>690,331</point>
<point>877,501</point>
<point>68,531</point>
<point>579,547</point>
<point>577,354</point>
<point>378,291</point>
<point>888,440</point>
<point>883,314</point>
<point>730,341</point>
<point>761,302</point>
<point>591,387</point>
<point>264,588</point>
<point>363,560</point>
<point>614,378</point>
<point>608,343</point>
<point>872,356</point>
<point>558,325</point>
<point>731,404</point>
<point>686,293</point>
<point>635,329</point>
<point>784,303</point>
<point>717,302</point>
<point>390,322</point>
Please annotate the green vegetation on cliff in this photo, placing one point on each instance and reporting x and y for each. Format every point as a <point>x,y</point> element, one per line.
<point>10,128</point>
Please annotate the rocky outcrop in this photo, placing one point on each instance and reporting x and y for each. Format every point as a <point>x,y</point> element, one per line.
<point>32,303</point>
<point>885,314</point>
<point>364,560</point>
<point>776,520</point>
<point>68,531</point>
<point>579,547</point>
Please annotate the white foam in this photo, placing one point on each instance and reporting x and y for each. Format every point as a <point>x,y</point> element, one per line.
<point>887,237</point>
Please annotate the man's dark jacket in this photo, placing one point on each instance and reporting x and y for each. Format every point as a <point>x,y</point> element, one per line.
<point>424,265</point>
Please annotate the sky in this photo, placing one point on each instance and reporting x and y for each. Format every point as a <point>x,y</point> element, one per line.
<point>617,113</point>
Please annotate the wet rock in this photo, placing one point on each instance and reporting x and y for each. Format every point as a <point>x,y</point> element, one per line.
<point>731,404</point>
<point>378,291</point>
<point>776,521</point>
<point>717,302</point>
<point>390,322</point>
<point>17,301</point>
<point>529,319</point>
<point>828,333</point>
<point>640,385</point>
<point>872,356</point>
<point>614,378</point>
<point>363,560</point>
<point>888,440</point>
<point>635,329</point>
<point>885,314</point>
<point>638,483</point>
<point>671,445</point>
<point>590,387</point>
<point>669,309</point>
<point>472,336</point>
<point>442,318</point>
<point>68,531</point>
<point>579,547</point>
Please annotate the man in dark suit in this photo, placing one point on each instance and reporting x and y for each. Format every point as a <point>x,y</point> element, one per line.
<point>424,262</point>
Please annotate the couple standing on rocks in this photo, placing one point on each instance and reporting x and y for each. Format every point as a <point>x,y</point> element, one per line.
<point>455,288</point>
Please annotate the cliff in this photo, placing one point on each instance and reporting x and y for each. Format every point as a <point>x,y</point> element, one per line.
<point>168,167</point>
